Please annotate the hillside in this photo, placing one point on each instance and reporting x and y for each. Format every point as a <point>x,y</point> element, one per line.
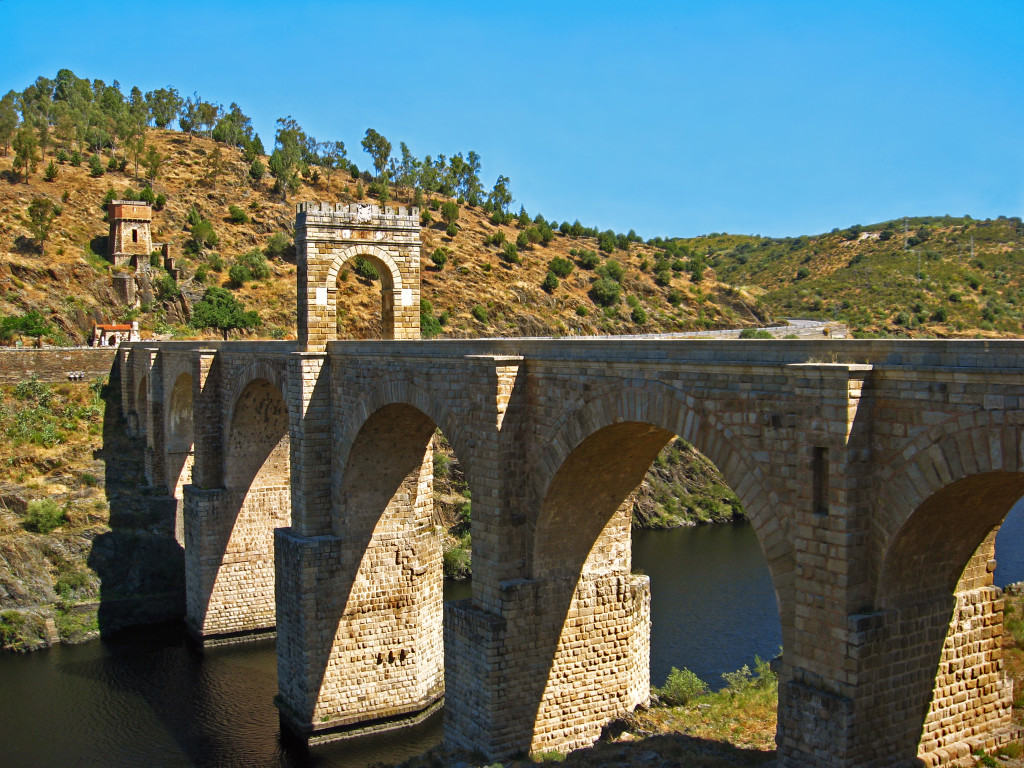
<point>69,280</point>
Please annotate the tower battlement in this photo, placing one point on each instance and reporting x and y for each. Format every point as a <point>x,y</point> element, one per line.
<point>357,215</point>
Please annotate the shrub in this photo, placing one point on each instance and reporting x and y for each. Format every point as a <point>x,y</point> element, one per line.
<point>755,333</point>
<point>639,315</point>
<point>582,311</point>
<point>160,202</point>
<point>166,288</point>
<point>510,254</point>
<point>549,283</point>
<point>605,292</point>
<point>522,241</point>
<point>611,269</point>
<point>675,297</point>
<point>457,563</point>
<point>663,278</point>
<point>430,326</point>
<point>560,267</point>
<point>257,264</point>
<point>364,269</point>
<point>43,516</point>
<point>425,219</point>
<point>237,215</point>
<point>239,274</point>
<point>452,230</point>
<point>450,212</point>
<point>588,259</point>
<point>439,257</point>
<point>112,164</point>
<point>479,313</point>
<point>802,273</point>
<point>681,687</point>
<point>279,246</point>
<point>50,174</point>
<point>95,166</point>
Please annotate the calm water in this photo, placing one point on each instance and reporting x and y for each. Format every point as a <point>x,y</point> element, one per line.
<point>149,698</point>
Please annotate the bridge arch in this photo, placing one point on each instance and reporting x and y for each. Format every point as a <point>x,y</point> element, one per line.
<point>378,648</point>
<point>937,519</point>
<point>595,634</point>
<point>229,547</point>
<point>180,435</point>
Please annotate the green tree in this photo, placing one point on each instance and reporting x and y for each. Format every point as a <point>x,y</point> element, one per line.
<point>378,148</point>
<point>285,161</point>
<point>41,213</point>
<point>152,162</point>
<point>26,151</point>
<point>164,106</point>
<point>221,310</point>
<point>50,174</point>
<point>605,292</point>
<point>331,157</point>
<point>500,198</point>
<point>8,120</point>
<point>450,212</point>
<point>257,171</point>
<point>31,323</point>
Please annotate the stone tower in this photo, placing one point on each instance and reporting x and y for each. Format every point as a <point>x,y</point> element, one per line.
<point>327,236</point>
<point>130,235</point>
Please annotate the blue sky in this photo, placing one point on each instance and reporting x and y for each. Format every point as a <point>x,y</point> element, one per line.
<point>775,118</point>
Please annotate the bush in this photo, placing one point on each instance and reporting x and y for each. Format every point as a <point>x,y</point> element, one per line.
<point>76,158</point>
<point>239,274</point>
<point>639,315</point>
<point>522,241</point>
<point>663,278</point>
<point>675,297</point>
<point>95,166</point>
<point>802,273</point>
<point>611,269</point>
<point>755,333</point>
<point>560,267</point>
<point>439,257</point>
<point>43,516</point>
<point>588,259</point>
<point>549,283</point>
<point>605,292</point>
<point>457,563</point>
<point>364,269</point>
<point>452,230</point>
<point>425,219</point>
<point>279,246</point>
<point>166,288</point>
<point>112,165</point>
<point>50,174</point>
<point>582,311</point>
<point>479,313</point>
<point>510,254</point>
<point>450,212</point>
<point>430,326</point>
<point>160,201</point>
<point>681,687</point>
<point>237,215</point>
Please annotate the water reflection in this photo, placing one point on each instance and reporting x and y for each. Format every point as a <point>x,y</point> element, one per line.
<point>149,697</point>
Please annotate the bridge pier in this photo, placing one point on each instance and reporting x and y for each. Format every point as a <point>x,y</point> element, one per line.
<point>359,616</point>
<point>537,677</point>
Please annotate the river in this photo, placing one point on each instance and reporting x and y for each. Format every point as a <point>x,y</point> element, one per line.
<point>149,697</point>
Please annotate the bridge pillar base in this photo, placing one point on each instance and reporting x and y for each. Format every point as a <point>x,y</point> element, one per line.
<point>550,671</point>
<point>355,657</point>
<point>229,587</point>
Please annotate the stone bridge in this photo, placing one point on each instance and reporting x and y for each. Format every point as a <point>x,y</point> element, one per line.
<point>875,475</point>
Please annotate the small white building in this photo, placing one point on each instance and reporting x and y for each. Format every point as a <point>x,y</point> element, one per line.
<point>112,335</point>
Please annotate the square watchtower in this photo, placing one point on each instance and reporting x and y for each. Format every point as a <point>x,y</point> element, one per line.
<point>130,235</point>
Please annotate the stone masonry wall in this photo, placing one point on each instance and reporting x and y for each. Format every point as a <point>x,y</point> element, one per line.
<point>56,364</point>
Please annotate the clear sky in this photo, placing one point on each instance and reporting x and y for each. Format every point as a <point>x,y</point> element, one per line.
<point>671,118</point>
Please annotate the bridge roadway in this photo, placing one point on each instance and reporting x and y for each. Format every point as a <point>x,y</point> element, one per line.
<point>875,474</point>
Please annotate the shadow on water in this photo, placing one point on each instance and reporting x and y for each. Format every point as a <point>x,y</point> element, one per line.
<point>140,566</point>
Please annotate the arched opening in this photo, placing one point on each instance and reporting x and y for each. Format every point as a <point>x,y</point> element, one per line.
<point>946,682</point>
<point>595,631</point>
<point>238,542</point>
<point>365,301</point>
<point>384,653</point>
<point>180,437</point>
